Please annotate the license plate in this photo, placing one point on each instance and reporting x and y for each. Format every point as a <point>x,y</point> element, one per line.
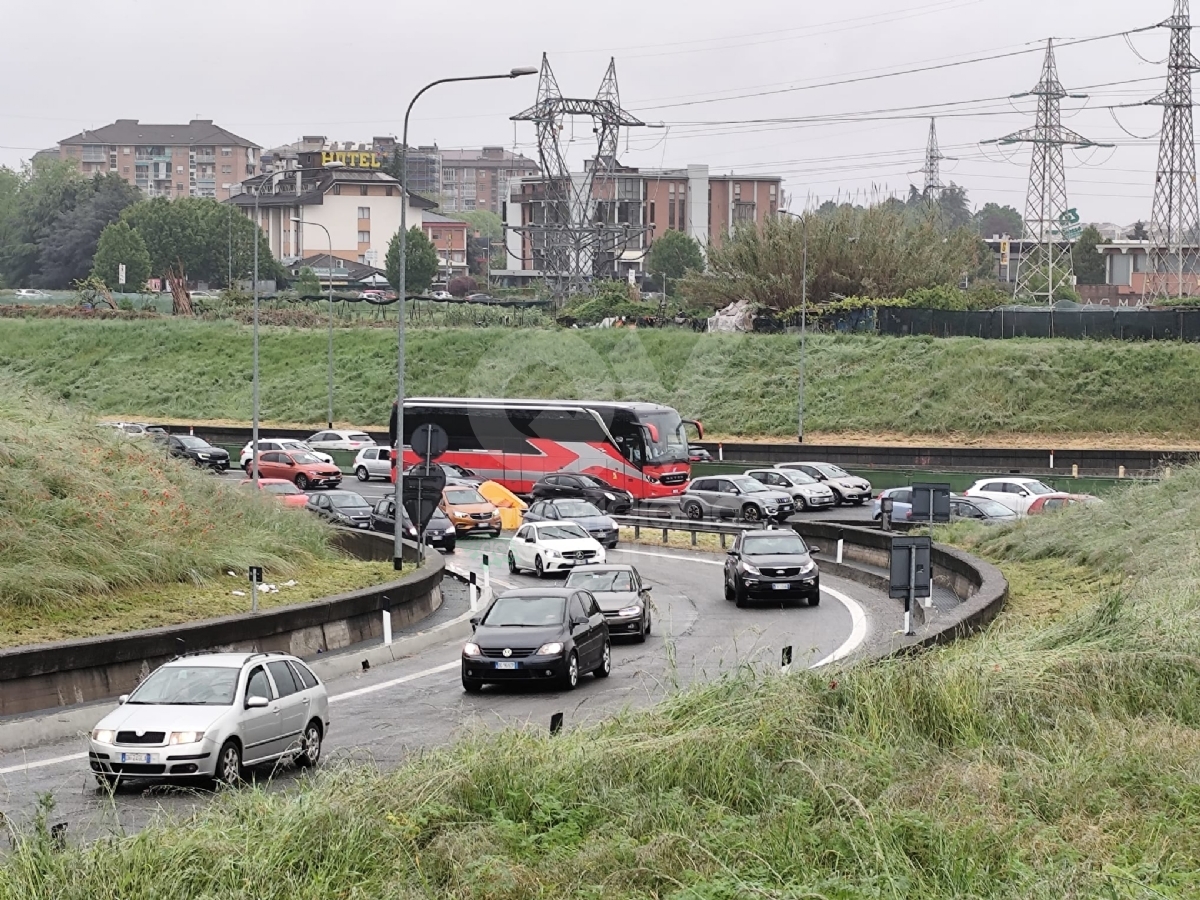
<point>506,665</point>
<point>144,758</point>
<point>780,586</point>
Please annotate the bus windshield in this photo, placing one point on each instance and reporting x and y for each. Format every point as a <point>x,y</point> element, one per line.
<point>666,440</point>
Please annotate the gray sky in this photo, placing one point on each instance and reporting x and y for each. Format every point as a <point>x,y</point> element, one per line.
<point>347,70</point>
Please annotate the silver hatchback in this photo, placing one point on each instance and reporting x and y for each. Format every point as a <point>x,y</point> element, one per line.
<point>209,716</point>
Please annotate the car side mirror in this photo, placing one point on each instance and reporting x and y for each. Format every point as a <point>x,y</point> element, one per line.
<point>647,587</point>
<point>474,622</point>
<point>530,540</point>
<point>1023,494</point>
<point>578,620</point>
<point>256,702</point>
<point>732,553</point>
<point>122,699</point>
<point>812,548</point>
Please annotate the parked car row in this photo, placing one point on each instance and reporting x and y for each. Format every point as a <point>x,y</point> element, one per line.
<point>989,500</point>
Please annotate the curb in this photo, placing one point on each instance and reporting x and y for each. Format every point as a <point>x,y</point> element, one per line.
<point>22,733</point>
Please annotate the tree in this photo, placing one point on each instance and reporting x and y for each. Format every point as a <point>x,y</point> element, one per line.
<point>1086,260</point>
<point>307,284</point>
<point>483,222</point>
<point>1139,232</point>
<point>461,285</point>
<point>421,262</point>
<point>674,255</point>
<point>953,207</point>
<point>45,191</point>
<point>120,245</point>
<point>994,219</point>
<point>65,253</point>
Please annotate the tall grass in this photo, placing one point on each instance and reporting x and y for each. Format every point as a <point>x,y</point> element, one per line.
<point>85,511</point>
<point>735,384</point>
<point>1050,760</point>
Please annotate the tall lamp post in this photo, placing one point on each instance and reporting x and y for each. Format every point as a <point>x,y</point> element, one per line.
<point>397,545</point>
<point>803,320</point>
<point>329,272</point>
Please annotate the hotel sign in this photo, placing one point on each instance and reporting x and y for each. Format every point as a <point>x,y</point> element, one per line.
<point>354,159</point>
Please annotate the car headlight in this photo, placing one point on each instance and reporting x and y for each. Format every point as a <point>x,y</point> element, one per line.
<point>186,737</point>
<point>553,554</point>
<point>608,496</point>
<point>749,569</point>
<point>553,648</point>
<point>450,530</point>
<point>202,455</point>
<point>804,570</point>
<point>471,649</point>
<point>460,515</point>
<point>630,611</point>
<point>104,735</point>
<point>651,479</point>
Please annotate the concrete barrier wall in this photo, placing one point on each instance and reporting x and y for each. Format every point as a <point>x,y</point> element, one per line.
<point>68,672</point>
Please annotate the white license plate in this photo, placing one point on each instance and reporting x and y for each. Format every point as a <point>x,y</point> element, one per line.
<point>780,586</point>
<point>144,758</point>
<point>506,665</point>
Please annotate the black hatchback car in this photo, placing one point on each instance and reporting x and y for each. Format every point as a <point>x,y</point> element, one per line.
<point>581,486</point>
<point>439,532</point>
<point>198,450</point>
<point>775,564</point>
<point>537,634</point>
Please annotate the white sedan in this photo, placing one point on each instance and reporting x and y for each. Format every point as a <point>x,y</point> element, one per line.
<point>266,445</point>
<point>552,547</point>
<point>340,440</point>
<point>1016,493</point>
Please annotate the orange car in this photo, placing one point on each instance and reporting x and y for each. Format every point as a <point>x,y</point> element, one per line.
<point>470,511</point>
<point>287,492</point>
<point>300,468</point>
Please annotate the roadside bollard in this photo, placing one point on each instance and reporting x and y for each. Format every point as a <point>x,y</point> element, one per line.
<point>387,628</point>
<point>721,452</point>
<point>487,580</point>
<point>474,592</point>
<point>1120,471</point>
<point>886,505</point>
<point>839,549</point>
<point>1075,470</point>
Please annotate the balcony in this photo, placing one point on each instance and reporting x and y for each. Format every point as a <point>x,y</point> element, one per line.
<point>209,158</point>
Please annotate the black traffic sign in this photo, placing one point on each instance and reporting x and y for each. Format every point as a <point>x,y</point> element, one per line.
<point>256,575</point>
<point>423,485</point>
<point>430,441</point>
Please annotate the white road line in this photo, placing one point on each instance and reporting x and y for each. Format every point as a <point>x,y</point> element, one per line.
<point>858,616</point>
<point>359,692</point>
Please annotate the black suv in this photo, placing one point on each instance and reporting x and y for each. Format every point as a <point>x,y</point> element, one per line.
<point>774,564</point>
<point>198,450</point>
<point>581,486</point>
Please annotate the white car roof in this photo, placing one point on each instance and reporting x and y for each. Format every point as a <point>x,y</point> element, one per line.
<point>1015,479</point>
<point>221,660</point>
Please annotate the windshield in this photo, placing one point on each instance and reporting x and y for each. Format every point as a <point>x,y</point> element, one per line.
<point>188,686</point>
<point>1036,487</point>
<point>790,544</point>
<point>464,495</point>
<point>286,488</point>
<point>192,443</point>
<point>795,477</point>
<point>832,471</point>
<point>595,482</point>
<point>600,582</point>
<point>576,509</point>
<point>749,485</point>
<point>993,508</point>
<point>666,440</point>
<point>525,611</point>
<point>346,500</point>
<point>304,459</point>
<point>567,531</point>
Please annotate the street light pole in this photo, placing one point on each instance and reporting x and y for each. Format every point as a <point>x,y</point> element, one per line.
<point>397,541</point>
<point>329,272</point>
<point>803,321</point>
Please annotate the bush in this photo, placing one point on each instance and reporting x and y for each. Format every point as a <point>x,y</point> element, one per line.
<point>461,285</point>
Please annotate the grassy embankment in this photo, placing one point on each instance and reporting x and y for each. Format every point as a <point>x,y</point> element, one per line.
<point>99,534</point>
<point>959,388</point>
<point>1056,756</point>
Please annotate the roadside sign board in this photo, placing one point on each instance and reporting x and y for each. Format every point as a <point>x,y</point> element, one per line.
<point>430,441</point>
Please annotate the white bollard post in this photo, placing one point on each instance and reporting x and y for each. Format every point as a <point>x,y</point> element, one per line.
<point>1052,459</point>
<point>721,452</point>
<point>1120,471</point>
<point>387,628</point>
<point>474,589</point>
<point>1075,470</point>
<point>839,551</point>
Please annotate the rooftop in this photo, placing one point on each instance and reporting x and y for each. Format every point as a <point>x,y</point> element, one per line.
<point>130,131</point>
<point>429,217</point>
<point>486,156</point>
<point>314,184</point>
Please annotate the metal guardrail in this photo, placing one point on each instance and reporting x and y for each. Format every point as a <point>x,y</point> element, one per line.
<point>692,526</point>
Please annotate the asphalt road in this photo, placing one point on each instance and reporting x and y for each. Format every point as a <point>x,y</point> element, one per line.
<point>382,715</point>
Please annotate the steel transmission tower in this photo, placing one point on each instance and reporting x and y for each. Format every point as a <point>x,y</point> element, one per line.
<point>1049,219</point>
<point>1176,219</point>
<point>575,234</point>
<point>933,165</point>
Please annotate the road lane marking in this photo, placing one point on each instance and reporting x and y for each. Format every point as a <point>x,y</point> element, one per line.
<point>858,628</point>
<point>707,562</point>
<point>42,763</point>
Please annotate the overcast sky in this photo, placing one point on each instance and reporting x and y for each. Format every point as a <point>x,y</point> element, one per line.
<point>272,72</point>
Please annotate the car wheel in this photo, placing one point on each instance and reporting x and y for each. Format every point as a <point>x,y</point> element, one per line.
<point>362,473</point>
<point>739,594</point>
<point>814,599</point>
<point>611,546</point>
<point>310,745</point>
<point>649,622</point>
<point>728,592</point>
<point>302,481</point>
<point>248,465</point>
<point>645,629</point>
<point>803,503</point>
<point>512,563</point>
<point>450,546</point>
<point>229,764</point>
<point>537,566</point>
<point>571,677</point>
<point>605,668</point>
<point>751,513</point>
<point>838,499</point>
<point>693,511</point>
<point>471,685</point>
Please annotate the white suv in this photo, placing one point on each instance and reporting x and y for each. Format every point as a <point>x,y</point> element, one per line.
<point>1017,494</point>
<point>266,445</point>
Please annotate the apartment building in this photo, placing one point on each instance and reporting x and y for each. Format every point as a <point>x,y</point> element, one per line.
<point>198,159</point>
<point>481,179</point>
<point>358,203</point>
<point>449,237</point>
<point>376,155</point>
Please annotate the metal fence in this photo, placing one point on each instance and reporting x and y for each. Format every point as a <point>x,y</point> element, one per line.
<point>1104,323</point>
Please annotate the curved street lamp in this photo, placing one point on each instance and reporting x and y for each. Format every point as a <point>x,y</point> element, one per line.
<point>329,272</point>
<point>803,319</point>
<point>397,545</point>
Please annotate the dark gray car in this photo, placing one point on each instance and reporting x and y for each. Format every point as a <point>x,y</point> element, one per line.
<point>341,508</point>
<point>771,565</point>
<point>622,596</point>
<point>734,497</point>
<point>582,513</point>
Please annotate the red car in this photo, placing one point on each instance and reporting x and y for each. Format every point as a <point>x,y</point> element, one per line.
<point>1051,502</point>
<point>302,469</point>
<point>287,492</point>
